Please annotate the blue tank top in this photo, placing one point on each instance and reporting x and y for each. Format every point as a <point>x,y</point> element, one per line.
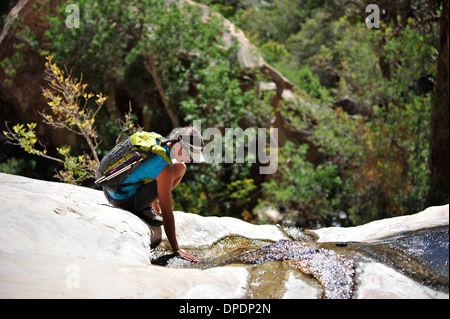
<point>150,169</point>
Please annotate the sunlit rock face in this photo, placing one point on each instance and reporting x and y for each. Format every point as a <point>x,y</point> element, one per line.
<point>65,241</point>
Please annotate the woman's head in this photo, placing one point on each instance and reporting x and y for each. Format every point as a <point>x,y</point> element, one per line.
<point>188,145</point>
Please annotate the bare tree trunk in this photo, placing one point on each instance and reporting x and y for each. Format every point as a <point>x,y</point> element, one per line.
<point>439,190</point>
<point>151,68</point>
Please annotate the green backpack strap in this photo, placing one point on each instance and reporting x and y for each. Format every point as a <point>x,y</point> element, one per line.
<point>148,142</point>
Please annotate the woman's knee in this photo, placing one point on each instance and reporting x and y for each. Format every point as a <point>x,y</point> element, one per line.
<point>179,170</point>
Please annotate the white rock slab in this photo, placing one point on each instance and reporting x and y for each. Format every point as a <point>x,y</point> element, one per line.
<point>373,231</point>
<point>46,276</point>
<point>63,241</point>
<point>200,232</point>
<point>377,281</point>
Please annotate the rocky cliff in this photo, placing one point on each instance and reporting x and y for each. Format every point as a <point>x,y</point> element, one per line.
<point>64,241</point>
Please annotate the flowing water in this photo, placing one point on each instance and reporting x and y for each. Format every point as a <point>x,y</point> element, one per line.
<point>324,270</point>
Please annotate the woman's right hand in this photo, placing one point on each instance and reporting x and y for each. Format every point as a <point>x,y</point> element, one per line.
<point>185,255</point>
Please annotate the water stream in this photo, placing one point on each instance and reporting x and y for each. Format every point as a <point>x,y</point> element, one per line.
<point>323,270</point>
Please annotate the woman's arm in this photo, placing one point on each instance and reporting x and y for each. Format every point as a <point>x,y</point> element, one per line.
<point>165,183</point>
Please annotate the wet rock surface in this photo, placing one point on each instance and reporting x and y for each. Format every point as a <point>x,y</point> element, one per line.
<point>333,272</point>
<point>65,241</point>
<point>420,255</point>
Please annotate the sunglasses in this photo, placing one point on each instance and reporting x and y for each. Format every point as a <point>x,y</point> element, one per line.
<point>192,146</point>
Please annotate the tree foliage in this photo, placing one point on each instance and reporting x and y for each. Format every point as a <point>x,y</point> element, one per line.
<point>377,85</point>
<point>369,91</point>
<point>68,101</point>
<point>171,60</point>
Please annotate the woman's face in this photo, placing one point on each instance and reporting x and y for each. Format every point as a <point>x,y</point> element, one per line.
<point>178,153</point>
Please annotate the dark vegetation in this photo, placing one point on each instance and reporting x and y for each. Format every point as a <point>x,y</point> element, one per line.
<point>368,139</point>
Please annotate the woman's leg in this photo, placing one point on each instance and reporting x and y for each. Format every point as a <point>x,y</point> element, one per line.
<point>144,196</point>
<point>139,203</point>
<point>147,194</point>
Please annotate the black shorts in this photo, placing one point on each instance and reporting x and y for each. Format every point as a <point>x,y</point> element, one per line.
<point>143,198</point>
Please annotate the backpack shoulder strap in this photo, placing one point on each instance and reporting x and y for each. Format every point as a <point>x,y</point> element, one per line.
<point>151,142</point>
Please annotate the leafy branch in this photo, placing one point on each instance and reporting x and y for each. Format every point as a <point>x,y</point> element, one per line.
<point>68,100</point>
<point>66,96</point>
<point>25,137</point>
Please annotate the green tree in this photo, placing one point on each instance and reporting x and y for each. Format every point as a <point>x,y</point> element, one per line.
<point>168,40</point>
<point>381,156</point>
<point>170,56</point>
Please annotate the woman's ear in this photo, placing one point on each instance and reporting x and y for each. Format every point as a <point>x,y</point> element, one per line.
<point>180,151</point>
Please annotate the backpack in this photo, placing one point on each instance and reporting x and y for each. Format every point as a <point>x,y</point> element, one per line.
<point>125,157</point>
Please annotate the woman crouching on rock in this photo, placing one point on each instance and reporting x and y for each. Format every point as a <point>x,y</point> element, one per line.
<point>142,198</point>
